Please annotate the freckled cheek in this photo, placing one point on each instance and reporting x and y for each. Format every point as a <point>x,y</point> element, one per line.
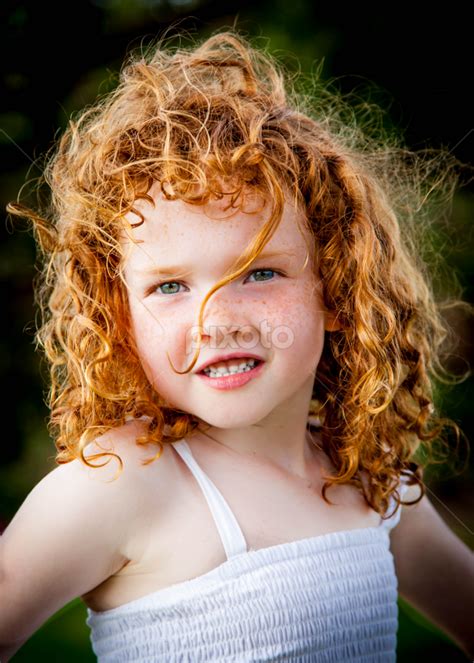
<point>299,311</point>
<point>155,335</point>
<point>296,324</point>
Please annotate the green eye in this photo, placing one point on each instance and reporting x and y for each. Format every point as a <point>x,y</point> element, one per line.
<point>166,285</point>
<point>166,288</point>
<point>263,271</point>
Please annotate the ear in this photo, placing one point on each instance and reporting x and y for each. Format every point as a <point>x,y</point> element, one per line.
<point>330,317</point>
<point>330,322</point>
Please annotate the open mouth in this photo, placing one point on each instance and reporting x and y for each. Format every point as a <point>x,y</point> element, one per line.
<point>246,365</point>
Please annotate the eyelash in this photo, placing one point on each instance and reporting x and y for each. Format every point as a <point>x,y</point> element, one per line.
<point>154,288</point>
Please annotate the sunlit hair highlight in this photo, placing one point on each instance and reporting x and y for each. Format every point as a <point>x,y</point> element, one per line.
<point>223,118</point>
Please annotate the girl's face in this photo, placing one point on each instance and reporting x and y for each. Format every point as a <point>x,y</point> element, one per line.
<point>273,310</point>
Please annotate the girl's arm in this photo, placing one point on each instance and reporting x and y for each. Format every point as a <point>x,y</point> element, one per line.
<point>435,570</point>
<point>62,542</point>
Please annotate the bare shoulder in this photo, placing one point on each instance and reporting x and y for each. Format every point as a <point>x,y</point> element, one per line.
<point>435,568</point>
<point>110,490</point>
<point>72,531</point>
<point>116,455</point>
<point>112,464</point>
<point>421,536</point>
<point>134,476</point>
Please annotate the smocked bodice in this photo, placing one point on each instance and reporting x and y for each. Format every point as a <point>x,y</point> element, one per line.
<point>331,598</point>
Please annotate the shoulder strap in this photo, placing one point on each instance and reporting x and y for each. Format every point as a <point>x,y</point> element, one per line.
<point>229,530</point>
<point>394,519</point>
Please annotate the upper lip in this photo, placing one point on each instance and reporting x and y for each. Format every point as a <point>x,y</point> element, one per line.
<point>234,355</point>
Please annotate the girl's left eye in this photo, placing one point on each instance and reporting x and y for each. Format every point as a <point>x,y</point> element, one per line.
<point>178,283</point>
<point>263,270</point>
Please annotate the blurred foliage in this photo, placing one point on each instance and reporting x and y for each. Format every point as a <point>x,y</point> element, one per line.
<point>395,61</point>
<point>64,637</point>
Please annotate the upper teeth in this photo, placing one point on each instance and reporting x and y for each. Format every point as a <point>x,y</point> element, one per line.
<point>229,367</point>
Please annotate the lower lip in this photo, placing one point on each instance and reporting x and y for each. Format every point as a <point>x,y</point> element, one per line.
<point>232,381</point>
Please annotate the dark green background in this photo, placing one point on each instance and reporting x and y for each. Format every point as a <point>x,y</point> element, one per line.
<point>55,58</point>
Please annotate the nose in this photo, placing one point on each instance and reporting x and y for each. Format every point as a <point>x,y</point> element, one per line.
<point>224,320</point>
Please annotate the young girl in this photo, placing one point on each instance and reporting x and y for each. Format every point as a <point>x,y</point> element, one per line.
<point>236,316</point>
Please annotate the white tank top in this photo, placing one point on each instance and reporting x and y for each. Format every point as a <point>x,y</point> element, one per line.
<point>330,598</point>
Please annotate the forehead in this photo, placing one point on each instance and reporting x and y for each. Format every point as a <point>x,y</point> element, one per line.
<point>173,225</point>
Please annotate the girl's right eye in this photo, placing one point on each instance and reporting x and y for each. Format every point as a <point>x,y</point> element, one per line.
<point>167,283</point>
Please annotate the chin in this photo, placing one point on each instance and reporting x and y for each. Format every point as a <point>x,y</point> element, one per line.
<point>229,423</point>
<point>226,419</point>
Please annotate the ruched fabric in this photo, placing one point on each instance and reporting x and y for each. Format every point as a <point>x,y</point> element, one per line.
<point>331,598</point>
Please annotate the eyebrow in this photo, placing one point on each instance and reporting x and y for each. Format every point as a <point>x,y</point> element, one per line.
<point>180,271</point>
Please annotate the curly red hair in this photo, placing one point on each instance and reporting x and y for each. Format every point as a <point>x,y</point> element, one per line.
<point>225,113</point>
